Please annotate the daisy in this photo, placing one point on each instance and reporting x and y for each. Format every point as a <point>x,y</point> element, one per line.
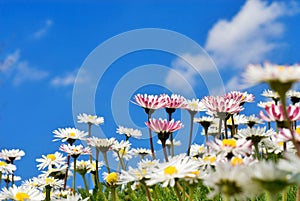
<point>256,73</point>
<point>129,132</point>
<point>238,120</point>
<point>142,152</point>
<point>92,168</point>
<point>221,104</point>
<point>194,106</point>
<point>21,193</point>
<point>71,197</point>
<point>265,104</point>
<point>174,101</point>
<point>11,155</point>
<point>231,181</point>
<point>133,175</point>
<point>253,120</point>
<point>178,167</point>
<point>231,147</point>
<point>256,135</point>
<point>121,150</point>
<point>82,167</point>
<point>148,102</point>
<point>148,164</point>
<point>111,179</point>
<point>51,160</point>
<point>43,181</point>
<point>269,177</point>
<point>101,144</point>
<point>197,150</point>
<point>90,119</point>
<point>75,150</point>
<point>286,135</point>
<point>291,163</point>
<point>7,168</point>
<point>276,145</point>
<point>271,94</point>
<point>242,97</point>
<point>9,178</point>
<point>69,134</point>
<point>275,113</point>
<point>162,126</point>
<point>58,172</point>
<point>204,121</point>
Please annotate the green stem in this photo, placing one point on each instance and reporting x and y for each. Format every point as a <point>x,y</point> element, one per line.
<point>106,161</point>
<point>113,193</point>
<point>284,195</point>
<point>257,151</point>
<point>85,183</point>
<point>233,126</point>
<point>226,198</point>
<point>147,191</point>
<point>298,194</point>
<point>121,161</point>
<point>191,193</point>
<point>74,177</point>
<point>177,191</point>
<point>192,114</point>
<point>0,178</point>
<point>150,137</point>
<point>165,151</point>
<point>48,191</point>
<point>67,170</point>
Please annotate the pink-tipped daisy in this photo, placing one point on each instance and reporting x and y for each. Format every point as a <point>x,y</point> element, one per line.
<point>75,150</point>
<point>242,97</point>
<point>148,102</point>
<point>275,113</point>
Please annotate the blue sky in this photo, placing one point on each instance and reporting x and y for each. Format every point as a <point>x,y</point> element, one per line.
<point>44,44</point>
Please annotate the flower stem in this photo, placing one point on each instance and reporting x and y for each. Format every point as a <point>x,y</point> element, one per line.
<point>284,195</point>
<point>67,170</point>
<point>192,114</point>
<point>48,191</point>
<point>165,151</point>
<point>74,177</point>
<point>85,183</point>
<point>150,137</point>
<point>0,178</point>
<point>106,162</point>
<point>113,193</point>
<point>191,193</point>
<point>147,191</point>
<point>257,151</point>
<point>177,191</point>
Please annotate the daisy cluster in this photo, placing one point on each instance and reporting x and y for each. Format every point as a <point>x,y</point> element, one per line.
<point>242,157</point>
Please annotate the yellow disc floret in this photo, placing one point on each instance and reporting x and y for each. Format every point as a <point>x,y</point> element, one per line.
<point>21,196</point>
<point>236,161</point>
<point>52,157</point>
<point>2,163</point>
<point>229,143</point>
<point>112,178</point>
<point>170,170</point>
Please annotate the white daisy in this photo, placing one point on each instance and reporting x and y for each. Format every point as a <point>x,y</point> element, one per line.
<point>11,155</point>
<point>90,119</point>
<point>122,150</point>
<point>8,178</point>
<point>51,160</point>
<point>253,120</point>
<point>141,152</point>
<point>230,181</point>
<point>238,120</point>
<point>256,135</point>
<point>148,164</point>
<point>71,197</point>
<point>75,150</point>
<point>7,168</point>
<point>101,144</point>
<point>129,132</point>
<point>194,105</point>
<point>197,150</point>
<point>271,94</point>
<point>178,167</point>
<point>69,134</point>
<point>294,96</point>
<point>43,181</point>
<point>21,193</point>
<point>92,167</point>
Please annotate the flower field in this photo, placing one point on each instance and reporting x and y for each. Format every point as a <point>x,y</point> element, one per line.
<point>243,157</point>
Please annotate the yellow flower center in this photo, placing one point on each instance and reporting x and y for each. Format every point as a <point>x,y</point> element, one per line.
<point>229,143</point>
<point>52,157</point>
<point>197,173</point>
<point>2,163</point>
<point>193,105</point>
<point>280,68</point>
<point>123,152</point>
<point>112,178</point>
<point>72,134</point>
<point>211,159</point>
<point>91,117</point>
<point>298,130</point>
<point>170,170</point>
<point>49,181</point>
<point>236,161</point>
<point>21,196</point>
<point>201,149</point>
<point>141,173</point>
<point>280,144</point>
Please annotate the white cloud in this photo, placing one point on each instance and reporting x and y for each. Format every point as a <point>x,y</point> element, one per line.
<point>186,70</point>
<point>43,30</point>
<point>67,79</point>
<point>235,83</point>
<point>250,35</point>
<point>9,61</point>
<point>26,73</point>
